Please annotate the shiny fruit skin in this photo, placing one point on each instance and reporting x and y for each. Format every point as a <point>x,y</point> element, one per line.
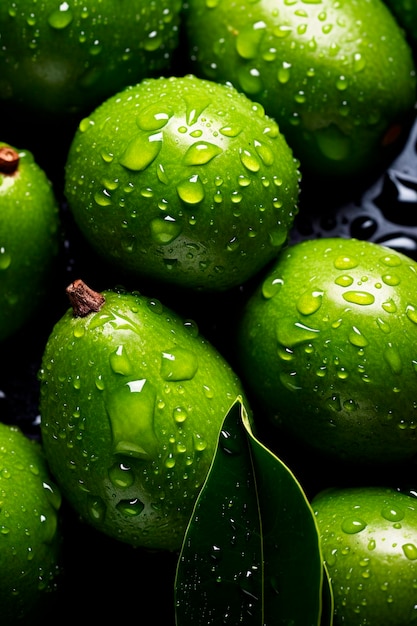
<point>327,346</point>
<point>338,77</point>
<point>132,400</point>
<point>369,540</point>
<point>30,535</point>
<point>61,59</point>
<point>183,181</point>
<point>29,240</point>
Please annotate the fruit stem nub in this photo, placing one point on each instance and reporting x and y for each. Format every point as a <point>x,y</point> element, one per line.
<point>9,160</point>
<point>83,299</point>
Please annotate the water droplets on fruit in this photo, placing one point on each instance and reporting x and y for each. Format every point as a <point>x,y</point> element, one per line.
<point>120,362</point>
<point>130,508</point>
<point>178,364</point>
<point>121,475</point>
<point>191,190</point>
<point>153,117</point>
<point>310,302</point>
<point>353,525</point>
<point>96,508</point>
<point>393,358</point>
<point>141,151</point>
<point>290,333</point>
<point>362,298</point>
<point>248,40</point>
<point>61,17</point>
<point>165,230</point>
<point>131,414</point>
<point>201,152</point>
<point>5,259</point>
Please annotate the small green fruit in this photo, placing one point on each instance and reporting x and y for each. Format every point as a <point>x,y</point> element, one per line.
<point>30,536</point>
<point>338,77</point>
<point>64,58</point>
<point>29,237</point>
<point>132,402</point>
<point>327,346</point>
<point>183,181</point>
<point>369,540</point>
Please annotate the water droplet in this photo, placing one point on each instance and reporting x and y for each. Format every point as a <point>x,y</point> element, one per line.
<point>248,40</point>
<point>389,306</point>
<point>345,262</point>
<point>5,259</point>
<point>180,415</point>
<point>228,443</point>
<point>164,230</point>
<point>249,160</point>
<point>410,551</point>
<point>353,525</point>
<point>191,190</point>
<point>61,17</point>
<point>271,286</point>
<point>141,151</point>
<point>153,118</point>
<point>392,514</point>
<point>290,334</point>
<point>96,508</point>
<point>119,361</point>
<point>131,414</point>
<point>264,152</point>
<point>121,475</point>
<point>344,280</point>
<point>391,279</point>
<point>309,302</point>
<point>362,298</point>
<point>130,508</point>
<point>357,339</point>
<point>393,358</point>
<point>411,313</point>
<point>201,152</point>
<point>179,364</point>
<point>284,73</point>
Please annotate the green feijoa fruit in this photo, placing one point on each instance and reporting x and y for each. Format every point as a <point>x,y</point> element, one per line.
<point>327,345</point>
<point>132,400</point>
<point>184,181</point>
<point>30,534</point>
<point>338,77</point>
<point>63,58</point>
<point>29,237</point>
<point>369,540</point>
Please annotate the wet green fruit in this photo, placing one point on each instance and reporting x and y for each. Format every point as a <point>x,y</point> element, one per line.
<point>327,345</point>
<point>132,402</point>
<point>406,13</point>
<point>30,536</point>
<point>338,77</point>
<point>183,181</point>
<point>29,237</point>
<point>61,58</point>
<point>369,542</point>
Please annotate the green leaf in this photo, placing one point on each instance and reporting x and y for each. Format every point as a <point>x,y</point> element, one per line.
<point>251,553</point>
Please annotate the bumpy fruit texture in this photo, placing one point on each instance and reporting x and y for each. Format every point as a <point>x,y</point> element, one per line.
<point>327,346</point>
<point>63,58</point>
<point>132,402</point>
<point>338,77</point>
<point>30,536</point>
<point>369,541</point>
<point>29,237</point>
<point>183,181</point>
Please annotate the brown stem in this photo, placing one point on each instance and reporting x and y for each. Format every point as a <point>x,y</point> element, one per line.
<point>83,299</point>
<point>9,160</point>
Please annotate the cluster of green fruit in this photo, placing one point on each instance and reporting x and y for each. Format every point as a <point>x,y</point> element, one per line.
<point>175,143</point>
